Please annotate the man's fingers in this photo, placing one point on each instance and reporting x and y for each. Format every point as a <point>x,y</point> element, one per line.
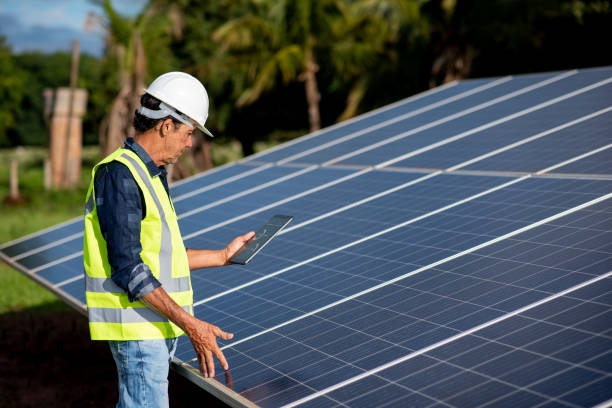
<point>225,336</point>
<point>202,365</point>
<point>221,358</point>
<point>248,236</point>
<point>207,346</point>
<point>210,364</point>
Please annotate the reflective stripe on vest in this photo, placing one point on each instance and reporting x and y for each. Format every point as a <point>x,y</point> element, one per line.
<point>111,315</point>
<point>131,315</point>
<point>106,285</point>
<point>89,205</point>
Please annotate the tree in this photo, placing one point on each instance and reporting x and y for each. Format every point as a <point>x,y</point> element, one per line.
<point>497,37</point>
<point>141,49</point>
<point>133,46</point>
<point>124,47</point>
<point>280,40</point>
<point>11,93</point>
<point>223,75</point>
<point>369,43</point>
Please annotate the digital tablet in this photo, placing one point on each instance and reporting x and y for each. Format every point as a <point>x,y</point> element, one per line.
<point>261,238</point>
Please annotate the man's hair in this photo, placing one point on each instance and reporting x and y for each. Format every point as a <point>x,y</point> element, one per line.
<point>142,123</point>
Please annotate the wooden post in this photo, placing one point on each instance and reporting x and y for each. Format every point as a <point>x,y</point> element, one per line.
<point>57,107</point>
<point>47,173</point>
<point>14,180</point>
<point>72,163</point>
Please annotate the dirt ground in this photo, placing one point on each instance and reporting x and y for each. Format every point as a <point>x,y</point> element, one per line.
<point>47,359</point>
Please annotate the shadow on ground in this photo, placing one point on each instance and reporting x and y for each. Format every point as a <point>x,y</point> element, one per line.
<point>47,359</point>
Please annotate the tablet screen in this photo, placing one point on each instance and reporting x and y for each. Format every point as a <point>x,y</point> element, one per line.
<point>262,237</point>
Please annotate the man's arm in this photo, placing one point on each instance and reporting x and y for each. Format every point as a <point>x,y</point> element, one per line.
<point>204,258</point>
<point>120,209</point>
<point>203,335</point>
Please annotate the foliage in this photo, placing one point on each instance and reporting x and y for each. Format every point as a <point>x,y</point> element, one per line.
<point>281,41</point>
<point>252,56</point>
<point>11,92</point>
<point>519,36</point>
<point>372,42</point>
<point>42,71</point>
<point>138,49</point>
<point>198,54</point>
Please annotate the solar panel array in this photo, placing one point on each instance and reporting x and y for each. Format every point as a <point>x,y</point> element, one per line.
<point>453,249</point>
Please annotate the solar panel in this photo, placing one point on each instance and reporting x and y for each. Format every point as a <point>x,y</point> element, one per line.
<point>452,249</point>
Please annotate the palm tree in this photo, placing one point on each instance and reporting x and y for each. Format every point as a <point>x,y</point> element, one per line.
<point>280,39</point>
<point>284,39</point>
<point>369,41</point>
<point>128,43</point>
<point>454,53</point>
<point>124,47</point>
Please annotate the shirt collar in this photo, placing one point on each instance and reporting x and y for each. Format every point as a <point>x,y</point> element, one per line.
<point>154,171</point>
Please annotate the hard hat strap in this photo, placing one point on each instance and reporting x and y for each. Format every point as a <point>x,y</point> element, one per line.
<point>164,111</point>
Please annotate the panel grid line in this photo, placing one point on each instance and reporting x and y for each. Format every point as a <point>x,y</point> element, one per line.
<point>504,120</point>
<point>517,388</point>
<point>222,182</point>
<point>446,341</point>
<point>449,296</point>
<point>530,318</point>
<point>515,348</point>
<point>359,241</point>
<point>408,315</point>
<point>433,265</point>
<point>413,220</point>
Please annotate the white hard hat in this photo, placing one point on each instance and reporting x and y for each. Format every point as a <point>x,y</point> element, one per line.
<point>179,91</point>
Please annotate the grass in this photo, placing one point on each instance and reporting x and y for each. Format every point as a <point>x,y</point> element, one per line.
<point>20,293</point>
<point>41,209</point>
<point>44,208</point>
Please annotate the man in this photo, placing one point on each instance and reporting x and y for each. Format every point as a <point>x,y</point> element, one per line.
<point>137,278</point>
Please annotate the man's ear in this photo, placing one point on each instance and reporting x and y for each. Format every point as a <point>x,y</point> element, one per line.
<point>166,126</point>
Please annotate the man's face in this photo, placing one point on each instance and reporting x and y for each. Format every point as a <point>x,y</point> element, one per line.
<point>177,139</point>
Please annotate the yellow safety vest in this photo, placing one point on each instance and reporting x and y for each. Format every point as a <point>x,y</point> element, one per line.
<point>111,315</point>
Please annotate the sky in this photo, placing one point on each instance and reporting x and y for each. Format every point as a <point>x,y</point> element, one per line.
<point>52,25</point>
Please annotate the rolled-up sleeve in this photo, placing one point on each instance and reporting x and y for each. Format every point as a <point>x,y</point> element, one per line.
<point>120,210</point>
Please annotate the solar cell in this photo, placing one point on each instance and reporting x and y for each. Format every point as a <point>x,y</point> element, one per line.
<point>451,249</point>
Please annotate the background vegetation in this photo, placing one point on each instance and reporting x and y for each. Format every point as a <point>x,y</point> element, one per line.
<point>274,69</point>
<point>256,56</point>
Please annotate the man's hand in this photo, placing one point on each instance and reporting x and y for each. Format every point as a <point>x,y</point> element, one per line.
<point>203,337</point>
<point>205,258</point>
<point>235,245</point>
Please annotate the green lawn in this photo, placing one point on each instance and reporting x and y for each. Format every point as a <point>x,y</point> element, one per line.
<point>41,209</point>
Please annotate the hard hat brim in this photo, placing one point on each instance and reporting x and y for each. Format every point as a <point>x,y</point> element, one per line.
<point>203,129</point>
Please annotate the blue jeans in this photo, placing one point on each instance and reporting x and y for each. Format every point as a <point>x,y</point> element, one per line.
<point>142,368</point>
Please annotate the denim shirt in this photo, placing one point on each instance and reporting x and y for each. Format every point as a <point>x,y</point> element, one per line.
<point>121,208</point>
